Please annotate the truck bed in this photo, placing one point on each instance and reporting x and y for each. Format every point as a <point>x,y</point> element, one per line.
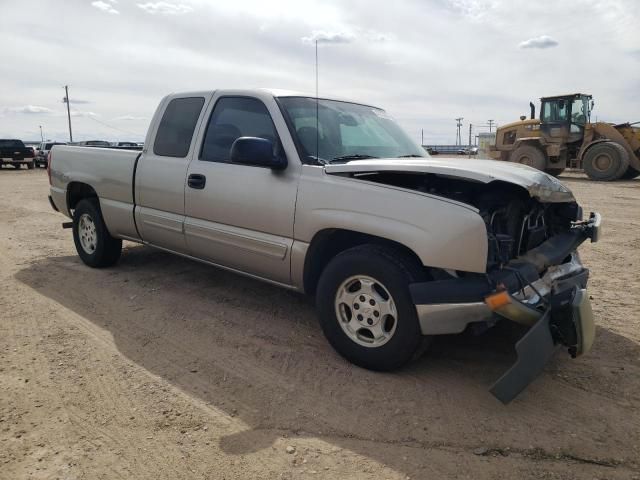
<point>109,171</point>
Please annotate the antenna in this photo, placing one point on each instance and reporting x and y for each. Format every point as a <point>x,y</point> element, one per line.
<point>317,110</point>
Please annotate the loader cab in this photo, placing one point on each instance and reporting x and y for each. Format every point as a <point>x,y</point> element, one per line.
<point>563,118</point>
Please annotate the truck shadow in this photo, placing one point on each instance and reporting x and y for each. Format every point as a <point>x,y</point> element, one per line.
<point>256,351</point>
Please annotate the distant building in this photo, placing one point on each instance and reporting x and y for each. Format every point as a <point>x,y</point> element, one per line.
<point>485,141</point>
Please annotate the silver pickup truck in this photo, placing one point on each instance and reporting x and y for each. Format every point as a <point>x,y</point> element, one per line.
<point>333,199</point>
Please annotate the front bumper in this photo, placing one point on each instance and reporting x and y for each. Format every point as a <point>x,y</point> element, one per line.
<point>555,305</point>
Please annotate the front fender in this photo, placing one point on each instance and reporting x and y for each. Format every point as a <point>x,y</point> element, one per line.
<point>441,232</point>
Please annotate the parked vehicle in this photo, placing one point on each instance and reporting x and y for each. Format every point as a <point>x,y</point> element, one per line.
<point>43,152</point>
<point>15,153</point>
<point>92,143</point>
<point>334,199</point>
<point>126,145</point>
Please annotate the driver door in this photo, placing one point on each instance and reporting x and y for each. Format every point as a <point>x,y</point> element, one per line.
<point>240,216</point>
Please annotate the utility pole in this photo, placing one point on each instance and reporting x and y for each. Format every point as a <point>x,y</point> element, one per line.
<point>66,100</point>
<point>459,124</point>
<point>422,141</point>
<point>490,124</point>
<point>470,129</point>
<point>41,136</point>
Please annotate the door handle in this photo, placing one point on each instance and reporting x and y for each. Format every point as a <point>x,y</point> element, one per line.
<point>196,181</point>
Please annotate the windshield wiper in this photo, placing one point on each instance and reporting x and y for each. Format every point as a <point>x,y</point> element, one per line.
<point>411,155</point>
<point>355,156</point>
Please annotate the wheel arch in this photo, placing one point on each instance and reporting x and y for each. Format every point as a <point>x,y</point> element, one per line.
<point>329,242</point>
<point>77,191</point>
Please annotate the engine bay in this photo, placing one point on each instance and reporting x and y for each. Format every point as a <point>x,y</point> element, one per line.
<point>516,222</point>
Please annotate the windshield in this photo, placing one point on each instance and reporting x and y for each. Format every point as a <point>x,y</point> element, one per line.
<point>345,131</point>
<point>580,111</point>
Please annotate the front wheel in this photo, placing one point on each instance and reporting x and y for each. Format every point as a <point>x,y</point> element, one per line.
<point>529,155</point>
<point>365,307</point>
<point>95,246</point>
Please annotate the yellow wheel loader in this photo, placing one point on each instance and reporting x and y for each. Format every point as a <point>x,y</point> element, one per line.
<point>565,137</point>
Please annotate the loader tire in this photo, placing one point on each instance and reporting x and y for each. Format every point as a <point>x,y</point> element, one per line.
<point>605,162</point>
<point>529,155</point>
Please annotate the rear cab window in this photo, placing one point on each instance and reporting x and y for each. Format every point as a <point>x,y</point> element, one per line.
<point>177,125</point>
<point>11,144</point>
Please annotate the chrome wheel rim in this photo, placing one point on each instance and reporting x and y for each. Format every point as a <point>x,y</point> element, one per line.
<point>366,311</point>
<point>87,233</point>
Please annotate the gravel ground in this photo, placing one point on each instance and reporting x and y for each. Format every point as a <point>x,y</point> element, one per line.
<point>164,368</point>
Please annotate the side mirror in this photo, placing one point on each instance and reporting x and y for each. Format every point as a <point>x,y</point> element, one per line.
<point>257,152</point>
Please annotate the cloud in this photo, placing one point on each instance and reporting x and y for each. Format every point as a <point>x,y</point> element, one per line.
<point>105,6</point>
<point>81,113</point>
<point>543,41</point>
<point>323,37</point>
<point>165,8</point>
<point>29,110</point>
<point>129,118</point>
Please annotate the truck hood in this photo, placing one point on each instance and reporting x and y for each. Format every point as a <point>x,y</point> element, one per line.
<point>540,185</point>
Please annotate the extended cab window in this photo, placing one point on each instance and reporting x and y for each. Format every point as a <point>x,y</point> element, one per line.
<point>235,117</point>
<point>176,127</point>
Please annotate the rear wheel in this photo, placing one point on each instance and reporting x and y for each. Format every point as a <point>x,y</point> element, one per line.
<point>16,166</point>
<point>95,246</point>
<point>365,308</point>
<point>529,155</point>
<point>30,165</point>
<point>605,161</point>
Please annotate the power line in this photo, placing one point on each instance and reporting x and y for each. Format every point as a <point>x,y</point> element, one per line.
<point>115,128</point>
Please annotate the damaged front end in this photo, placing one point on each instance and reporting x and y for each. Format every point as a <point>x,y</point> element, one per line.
<point>534,277</point>
<point>533,274</point>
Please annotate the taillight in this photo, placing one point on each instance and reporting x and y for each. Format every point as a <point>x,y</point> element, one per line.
<point>49,158</point>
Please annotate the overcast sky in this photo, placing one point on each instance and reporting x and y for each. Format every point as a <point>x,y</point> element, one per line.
<point>424,61</point>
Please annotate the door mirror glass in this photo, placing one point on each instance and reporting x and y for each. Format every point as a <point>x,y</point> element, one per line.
<point>257,152</point>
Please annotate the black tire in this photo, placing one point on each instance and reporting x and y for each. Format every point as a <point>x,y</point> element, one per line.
<point>31,165</point>
<point>394,271</point>
<point>630,174</point>
<point>16,166</point>
<point>107,249</point>
<point>605,161</point>
<point>556,172</point>
<point>529,155</point>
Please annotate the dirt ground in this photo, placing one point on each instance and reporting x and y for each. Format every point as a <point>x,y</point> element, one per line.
<point>162,368</point>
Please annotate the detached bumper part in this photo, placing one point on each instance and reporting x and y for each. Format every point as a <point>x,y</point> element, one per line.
<point>567,322</point>
<point>534,350</point>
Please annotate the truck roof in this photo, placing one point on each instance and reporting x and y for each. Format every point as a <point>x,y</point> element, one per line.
<point>267,92</point>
